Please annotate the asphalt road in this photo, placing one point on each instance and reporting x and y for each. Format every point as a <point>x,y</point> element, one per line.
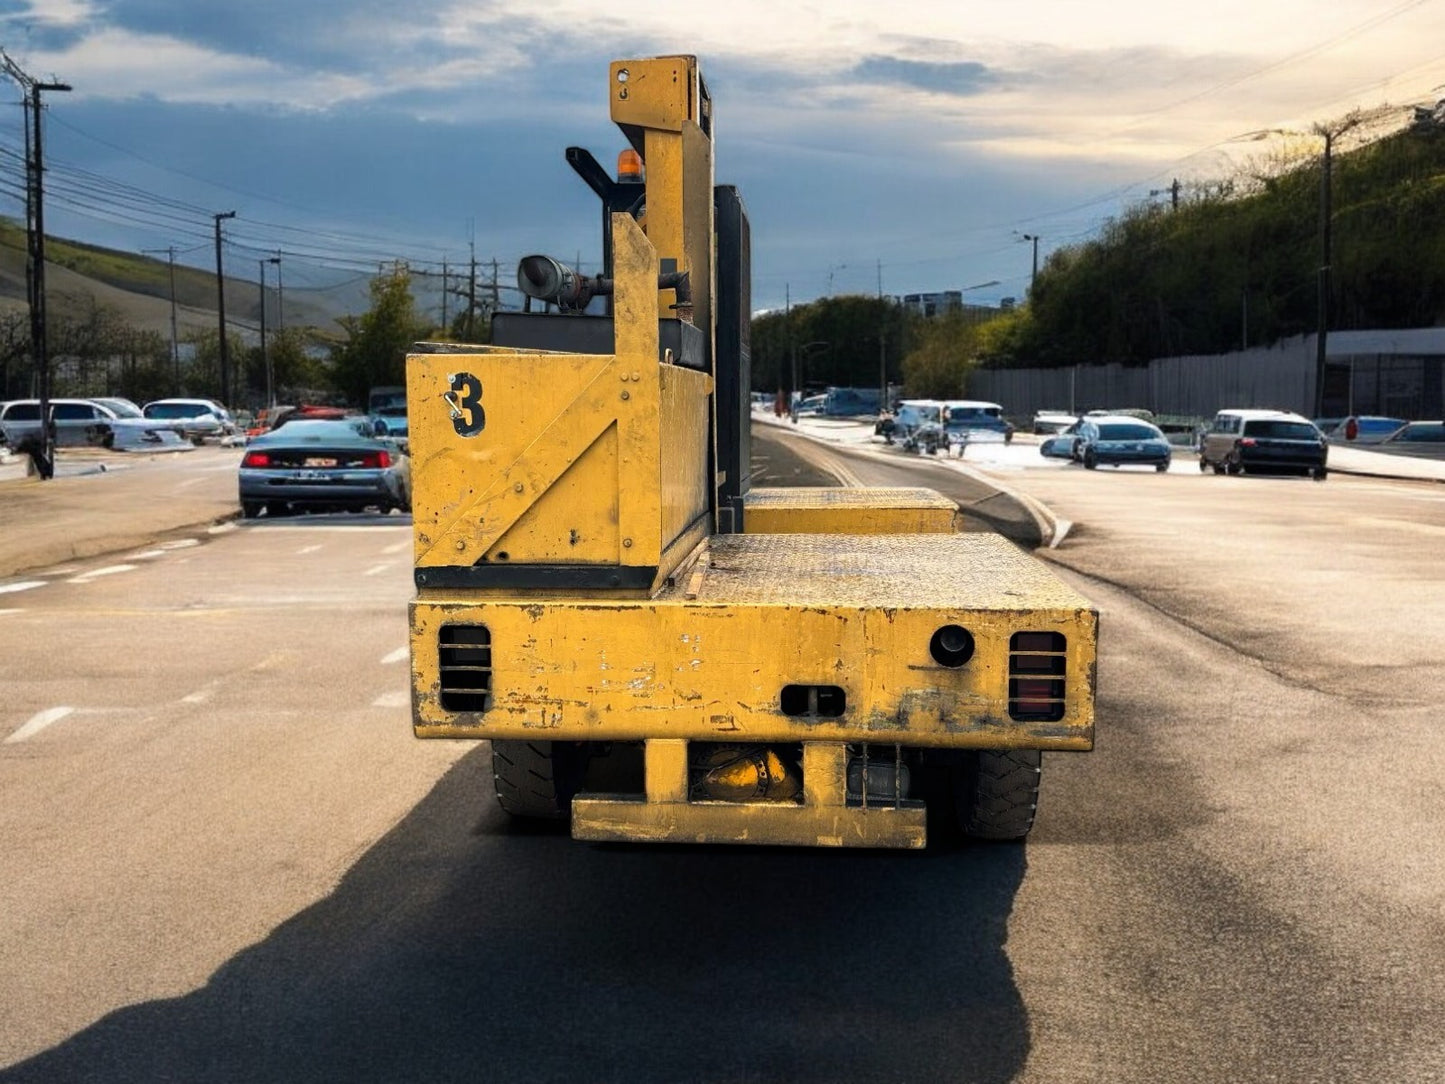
<point>230,861</point>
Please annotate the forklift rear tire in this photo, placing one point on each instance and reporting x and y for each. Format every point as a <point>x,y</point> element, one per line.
<point>996,793</point>
<point>526,781</point>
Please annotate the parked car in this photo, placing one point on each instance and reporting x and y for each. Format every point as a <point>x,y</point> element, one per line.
<point>972,419</point>
<point>1360,429</point>
<point>80,423</point>
<point>1263,440</point>
<point>389,423</point>
<point>1111,440</point>
<point>1048,422</point>
<point>810,407</point>
<point>197,420</point>
<point>918,425</point>
<point>321,465</point>
<point>1425,439</point>
<point>123,408</point>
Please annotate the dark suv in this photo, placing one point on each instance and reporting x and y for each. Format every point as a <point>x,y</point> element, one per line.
<point>1263,440</point>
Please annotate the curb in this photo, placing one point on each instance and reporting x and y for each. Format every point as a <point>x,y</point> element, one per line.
<point>1051,529</point>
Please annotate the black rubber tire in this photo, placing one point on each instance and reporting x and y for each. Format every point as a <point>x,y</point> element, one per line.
<point>1203,463</point>
<point>1161,467</point>
<point>250,509</point>
<point>996,793</point>
<point>525,780</point>
<point>277,508</point>
<point>1091,461</point>
<point>1319,474</point>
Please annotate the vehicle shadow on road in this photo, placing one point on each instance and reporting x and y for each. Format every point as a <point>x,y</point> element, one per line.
<point>457,948</point>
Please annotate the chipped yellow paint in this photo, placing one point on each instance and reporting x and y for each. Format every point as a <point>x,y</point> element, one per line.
<point>856,613</point>
<point>584,459</point>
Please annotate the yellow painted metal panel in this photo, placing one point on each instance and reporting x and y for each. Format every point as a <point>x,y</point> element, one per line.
<point>855,613</point>
<point>666,769</point>
<point>657,92</point>
<point>764,823</point>
<point>824,510</point>
<point>683,447</point>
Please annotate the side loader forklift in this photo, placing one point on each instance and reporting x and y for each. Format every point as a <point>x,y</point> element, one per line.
<point>656,649</point>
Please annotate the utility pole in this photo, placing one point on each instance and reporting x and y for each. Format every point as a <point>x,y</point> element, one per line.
<point>1322,315</point>
<point>35,263</point>
<point>280,295</point>
<point>265,357</point>
<point>882,346</point>
<point>170,252</point>
<point>472,298</point>
<point>446,327</point>
<point>792,348</point>
<point>226,397</point>
<point>496,287</point>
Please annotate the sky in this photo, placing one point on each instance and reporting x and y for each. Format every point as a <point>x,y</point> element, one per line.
<point>912,146</point>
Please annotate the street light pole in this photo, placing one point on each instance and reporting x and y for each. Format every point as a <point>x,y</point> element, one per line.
<point>1034,273</point>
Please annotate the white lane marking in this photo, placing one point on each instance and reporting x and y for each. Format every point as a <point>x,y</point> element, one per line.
<point>221,528</point>
<point>181,544</point>
<point>59,570</point>
<point>398,548</point>
<point>393,700</point>
<point>23,585</point>
<point>200,696</point>
<point>309,549</point>
<point>95,573</point>
<point>376,570</point>
<point>145,555</point>
<point>399,655</point>
<point>11,611</point>
<point>189,482</point>
<point>38,722</point>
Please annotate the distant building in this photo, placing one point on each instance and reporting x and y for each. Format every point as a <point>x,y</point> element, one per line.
<point>936,304</point>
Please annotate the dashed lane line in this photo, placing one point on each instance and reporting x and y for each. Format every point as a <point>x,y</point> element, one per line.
<point>12,610</point>
<point>376,570</point>
<point>38,722</point>
<point>23,585</point>
<point>393,700</point>
<point>308,549</point>
<point>96,573</point>
<point>398,548</point>
<point>399,655</point>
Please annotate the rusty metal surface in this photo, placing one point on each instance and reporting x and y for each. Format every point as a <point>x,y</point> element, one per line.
<point>970,572</point>
<point>761,823</point>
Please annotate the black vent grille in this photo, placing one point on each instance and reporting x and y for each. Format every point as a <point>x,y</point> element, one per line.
<point>1036,677</point>
<point>466,667</point>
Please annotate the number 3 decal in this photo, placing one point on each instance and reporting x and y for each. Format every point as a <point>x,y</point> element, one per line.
<point>465,399</point>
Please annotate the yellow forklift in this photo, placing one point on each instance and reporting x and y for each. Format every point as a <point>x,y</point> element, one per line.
<point>658,650</point>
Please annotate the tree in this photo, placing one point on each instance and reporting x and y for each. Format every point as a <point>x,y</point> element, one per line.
<point>377,342</point>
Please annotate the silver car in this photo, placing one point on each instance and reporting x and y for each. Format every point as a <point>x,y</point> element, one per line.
<point>198,420</point>
<point>313,465</point>
<point>82,423</point>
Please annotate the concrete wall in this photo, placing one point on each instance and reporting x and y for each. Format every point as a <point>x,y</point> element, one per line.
<point>1368,372</point>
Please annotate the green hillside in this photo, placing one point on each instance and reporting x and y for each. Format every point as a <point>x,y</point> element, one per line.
<point>1238,264</point>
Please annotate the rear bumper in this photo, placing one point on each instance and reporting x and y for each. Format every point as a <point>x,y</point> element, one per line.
<point>357,488</point>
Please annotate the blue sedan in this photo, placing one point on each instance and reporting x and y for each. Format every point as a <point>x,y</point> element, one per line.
<point>323,466</point>
<point>1112,440</point>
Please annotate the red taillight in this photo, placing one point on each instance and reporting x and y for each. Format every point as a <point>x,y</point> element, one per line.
<point>256,459</point>
<point>1247,442</point>
<point>376,459</point>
